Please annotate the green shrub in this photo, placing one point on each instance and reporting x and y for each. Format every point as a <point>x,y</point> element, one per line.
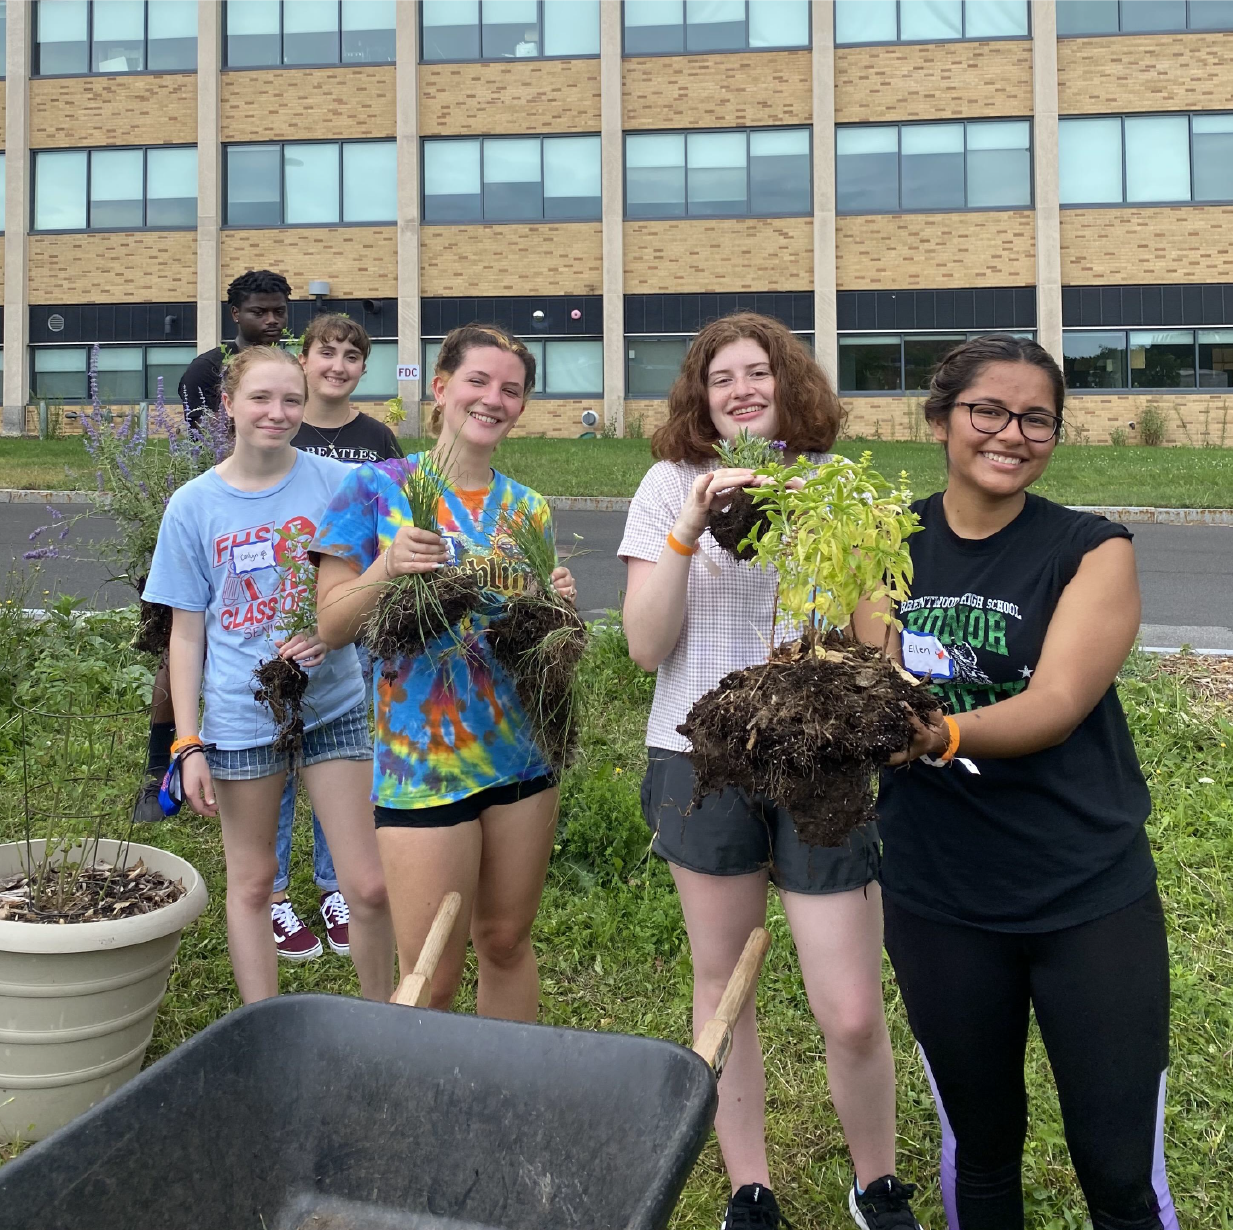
<point>1152,425</point>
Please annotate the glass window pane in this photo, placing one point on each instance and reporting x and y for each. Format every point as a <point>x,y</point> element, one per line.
<point>652,364</point>
<point>452,182</point>
<point>116,188</point>
<point>1158,158</point>
<point>1215,358</point>
<point>1090,161</point>
<point>867,169</point>
<point>1145,15</point>
<point>779,23</point>
<point>995,19</point>
<point>171,187</point>
<point>370,181</point>
<point>1094,360</point>
<point>999,164</point>
<point>573,368</point>
<point>655,175</point>
<point>451,29</point>
<point>1213,157</point>
<point>60,191</point>
<point>921,355</point>
<point>1086,17</point>
<point>380,379</point>
<point>869,364</point>
<point>119,374</point>
<point>571,27</point>
<point>310,32</point>
<point>779,172</point>
<point>1162,359</point>
<point>714,25</point>
<point>252,33</point>
<point>119,36</point>
<point>311,182</point>
<point>173,35</point>
<point>571,177</point>
<point>61,36</point>
<point>431,350</point>
<point>928,21</point>
<point>368,31</point>
<point>717,182</point>
<point>511,29</point>
<point>866,21</point>
<point>253,179</point>
<point>932,166</point>
<point>168,362</point>
<point>537,352</point>
<point>653,26</point>
<point>4,24</point>
<point>513,190</point>
<point>1211,14</point>
<point>60,373</point>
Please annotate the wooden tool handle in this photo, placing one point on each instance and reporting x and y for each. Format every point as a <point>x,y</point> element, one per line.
<point>715,1040</point>
<point>415,990</point>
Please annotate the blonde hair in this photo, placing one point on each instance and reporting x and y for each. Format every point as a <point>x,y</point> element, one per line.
<point>236,365</point>
<point>469,337</point>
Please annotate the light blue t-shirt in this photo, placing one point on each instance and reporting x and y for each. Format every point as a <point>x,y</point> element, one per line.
<point>221,551</point>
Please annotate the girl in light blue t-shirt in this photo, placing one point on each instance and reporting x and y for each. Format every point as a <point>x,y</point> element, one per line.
<point>221,565</point>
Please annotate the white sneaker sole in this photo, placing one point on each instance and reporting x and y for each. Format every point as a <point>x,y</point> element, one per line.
<point>297,958</point>
<point>343,950</point>
<point>858,1217</point>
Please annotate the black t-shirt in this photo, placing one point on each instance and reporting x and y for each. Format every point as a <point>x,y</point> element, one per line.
<point>1038,842</point>
<point>201,384</point>
<point>362,439</point>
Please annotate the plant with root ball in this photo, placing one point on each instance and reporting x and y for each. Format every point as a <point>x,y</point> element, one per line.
<point>809,727</point>
<point>734,524</point>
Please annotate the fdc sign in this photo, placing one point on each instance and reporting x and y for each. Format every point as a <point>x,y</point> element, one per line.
<point>408,371</point>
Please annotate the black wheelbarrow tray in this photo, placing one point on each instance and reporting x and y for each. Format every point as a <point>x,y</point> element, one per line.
<point>315,1112</point>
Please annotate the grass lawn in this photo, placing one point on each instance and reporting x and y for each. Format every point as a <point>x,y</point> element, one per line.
<point>613,956</point>
<point>1078,474</point>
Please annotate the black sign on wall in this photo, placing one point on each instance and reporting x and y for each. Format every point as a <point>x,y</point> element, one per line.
<point>990,307</point>
<point>550,315</point>
<point>1087,307</point>
<point>688,313</point>
<point>378,317</point>
<point>113,322</point>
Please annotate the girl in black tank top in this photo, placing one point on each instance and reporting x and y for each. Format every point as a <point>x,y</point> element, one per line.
<point>1016,868</point>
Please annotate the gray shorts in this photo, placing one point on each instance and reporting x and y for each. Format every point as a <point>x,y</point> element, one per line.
<point>730,834</point>
<point>345,738</point>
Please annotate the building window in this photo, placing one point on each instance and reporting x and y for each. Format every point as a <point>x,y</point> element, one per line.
<point>895,168</point>
<point>4,37</point>
<point>269,33</point>
<point>1148,359</point>
<point>1141,16</point>
<point>380,379</point>
<point>508,29</point>
<point>126,374</point>
<point>512,179</point>
<point>929,21</point>
<point>1145,159</point>
<point>311,183</point>
<point>653,363</point>
<point>115,189</point>
<point>564,367</point>
<point>898,362</point>
<point>673,27</point>
<point>741,173</point>
<point>114,36</point>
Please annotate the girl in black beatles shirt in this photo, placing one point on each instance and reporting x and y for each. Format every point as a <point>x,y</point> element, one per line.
<point>1017,873</point>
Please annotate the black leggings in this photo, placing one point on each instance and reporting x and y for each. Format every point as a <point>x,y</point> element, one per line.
<point>1101,995</point>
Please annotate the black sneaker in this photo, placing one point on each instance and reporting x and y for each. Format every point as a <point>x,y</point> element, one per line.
<point>883,1205</point>
<point>146,810</point>
<point>753,1207</point>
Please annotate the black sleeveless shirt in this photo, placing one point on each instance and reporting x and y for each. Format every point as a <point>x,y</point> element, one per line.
<point>1038,842</point>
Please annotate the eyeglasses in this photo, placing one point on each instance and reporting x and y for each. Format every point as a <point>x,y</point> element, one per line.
<point>1036,425</point>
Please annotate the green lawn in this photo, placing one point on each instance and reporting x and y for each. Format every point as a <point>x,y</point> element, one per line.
<point>1078,474</point>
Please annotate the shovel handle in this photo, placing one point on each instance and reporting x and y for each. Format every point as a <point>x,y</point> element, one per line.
<point>415,990</point>
<point>715,1040</point>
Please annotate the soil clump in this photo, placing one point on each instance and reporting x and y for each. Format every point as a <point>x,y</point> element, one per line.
<point>416,610</point>
<point>281,685</point>
<point>153,628</point>
<point>732,524</point>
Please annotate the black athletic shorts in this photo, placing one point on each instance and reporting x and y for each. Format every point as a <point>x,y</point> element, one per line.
<point>730,834</point>
<point>460,810</point>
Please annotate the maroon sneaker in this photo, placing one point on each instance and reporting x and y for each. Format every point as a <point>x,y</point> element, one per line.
<point>337,921</point>
<point>293,940</point>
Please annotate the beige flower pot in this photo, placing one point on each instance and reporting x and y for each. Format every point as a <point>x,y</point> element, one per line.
<point>78,1000</point>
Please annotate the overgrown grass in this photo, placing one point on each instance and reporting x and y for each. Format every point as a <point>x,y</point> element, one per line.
<point>613,956</point>
<point>1078,474</point>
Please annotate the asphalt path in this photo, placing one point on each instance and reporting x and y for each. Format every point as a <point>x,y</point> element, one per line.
<point>1186,572</point>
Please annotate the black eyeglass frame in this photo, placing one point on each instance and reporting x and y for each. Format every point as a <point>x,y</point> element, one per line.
<point>1011,416</point>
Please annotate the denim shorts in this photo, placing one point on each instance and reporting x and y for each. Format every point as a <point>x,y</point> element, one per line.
<point>345,738</point>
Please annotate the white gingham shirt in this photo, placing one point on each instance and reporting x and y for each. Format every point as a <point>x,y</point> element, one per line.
<point>727,624</point>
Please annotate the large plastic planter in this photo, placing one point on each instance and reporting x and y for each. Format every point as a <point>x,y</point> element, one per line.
<point>78,1000</point>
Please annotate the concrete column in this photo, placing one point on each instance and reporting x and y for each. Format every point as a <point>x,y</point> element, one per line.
<point>407,102</point>
<point>16,220</point>
<point>612,169</point>
<point>209,173</point>
<point>1045,162</point>
<point>826,344</point>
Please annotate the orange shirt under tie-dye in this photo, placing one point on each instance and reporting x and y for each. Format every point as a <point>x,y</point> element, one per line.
<point>449,723</point>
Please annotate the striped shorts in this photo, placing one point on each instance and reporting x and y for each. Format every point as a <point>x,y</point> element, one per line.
<point>345,738</point>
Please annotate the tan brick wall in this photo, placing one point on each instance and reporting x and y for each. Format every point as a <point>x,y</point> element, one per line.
<point>695,255</point>
<point>728,91</point>
<point>68,112</point>
<point>1145,72</point>
<point>113,267</point>
<point>501,97</point>
<point>1192,243</point>
<point>644,416</point>
<point>928,81</point>
<point>359,262</point>
<point>549,258</point>
<point>560,419</point>
<point>308,104</point>
<point>899,251</point>
<point>884,418</point>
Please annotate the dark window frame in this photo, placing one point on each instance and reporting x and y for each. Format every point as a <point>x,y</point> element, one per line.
<point>1120,32</point>
<point>282,51</point>
<point>668,335</point>
<point>483,59</point>
<point>541,372</point>
<point>899,41</point>
<point>170,396</point>
<point>903,335</point>
<point>807,45</point>
<point>92,72</point>
<point>1128,388</point>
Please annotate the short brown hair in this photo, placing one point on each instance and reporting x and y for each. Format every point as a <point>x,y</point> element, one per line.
<point>468,337</point>
<point>809,411</point>
<point>238,363</point>
<point>335,327</point>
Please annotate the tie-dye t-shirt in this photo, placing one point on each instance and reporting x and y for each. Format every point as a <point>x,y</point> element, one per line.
<point>449,723</point>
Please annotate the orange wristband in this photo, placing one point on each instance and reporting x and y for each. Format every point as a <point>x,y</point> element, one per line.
<point>952,745</point>
<point>179,745</point>
<point>679,547</point>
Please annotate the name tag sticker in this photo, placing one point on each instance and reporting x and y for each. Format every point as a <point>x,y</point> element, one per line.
<point>926,656</point>
<point>252,557</point>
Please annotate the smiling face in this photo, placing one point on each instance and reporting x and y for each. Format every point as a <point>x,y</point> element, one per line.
<point>483,399</point>
<point>740,390</point>
<point>332,368</point>
<point>268,406</point>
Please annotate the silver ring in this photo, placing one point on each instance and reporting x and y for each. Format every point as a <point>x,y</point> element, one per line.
<point>413,557</point>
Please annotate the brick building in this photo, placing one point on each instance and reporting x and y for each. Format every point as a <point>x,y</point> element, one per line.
<point>887,176</point>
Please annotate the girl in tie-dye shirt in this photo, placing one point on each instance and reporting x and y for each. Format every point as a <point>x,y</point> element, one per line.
<point>464,801</point>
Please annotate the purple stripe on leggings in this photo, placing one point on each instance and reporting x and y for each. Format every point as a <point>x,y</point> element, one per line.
<point>1160,1180</point>
<point>948,1152</point>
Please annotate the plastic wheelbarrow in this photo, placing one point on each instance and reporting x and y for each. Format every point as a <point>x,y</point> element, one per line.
<point>314,1112</point>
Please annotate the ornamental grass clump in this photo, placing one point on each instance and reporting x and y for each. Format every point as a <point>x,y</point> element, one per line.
<point>808,727</point>
<point>736,524</point>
